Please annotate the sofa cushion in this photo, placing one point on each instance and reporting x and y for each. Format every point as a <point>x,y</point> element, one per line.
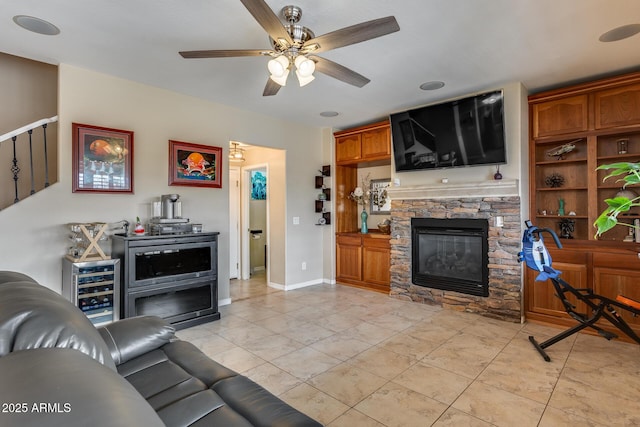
<point>257,405</point>
<point>32,316</point>
<point>132,337</point>
<point>64,387</point>
<point>179,379</point>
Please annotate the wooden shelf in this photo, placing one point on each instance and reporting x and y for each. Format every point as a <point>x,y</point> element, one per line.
<point>594,116</point>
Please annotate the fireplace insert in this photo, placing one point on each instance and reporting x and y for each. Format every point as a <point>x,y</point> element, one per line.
<point>450,254</point>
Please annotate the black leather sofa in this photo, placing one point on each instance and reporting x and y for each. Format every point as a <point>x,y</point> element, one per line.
<point>57,369</point>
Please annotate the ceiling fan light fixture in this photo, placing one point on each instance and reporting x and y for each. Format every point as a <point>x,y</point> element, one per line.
<point>278,66</point>
<point>281,80</point>
<point>304,80</point>
<point>305,66</point>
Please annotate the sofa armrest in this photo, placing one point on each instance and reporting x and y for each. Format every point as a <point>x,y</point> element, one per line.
<point>132,337</point>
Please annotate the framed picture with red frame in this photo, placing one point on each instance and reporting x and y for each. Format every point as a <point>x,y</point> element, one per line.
<point>102,159</point>
<point>195,165</point>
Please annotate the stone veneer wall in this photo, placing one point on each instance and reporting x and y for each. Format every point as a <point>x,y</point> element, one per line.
<point>505,289</point>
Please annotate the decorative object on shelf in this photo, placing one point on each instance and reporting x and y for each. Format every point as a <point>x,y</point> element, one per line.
<point>567,226</point>
<point>102,159</point>
<point>554,180</point>
<point>385,226</point>
<point>626,193</point>
<point>363,221</point>
<point>380,203</point>
<point>561,207</point>
<point>139,228</point>
<point>623,145</point>
<point>322,196</point>
<point>322,221</point>
<point>195,165</point>
<point>361,197</point>
<point>631,236</point>
<point>85,238</point>
<point>560,151</point>
<point>497,176</point>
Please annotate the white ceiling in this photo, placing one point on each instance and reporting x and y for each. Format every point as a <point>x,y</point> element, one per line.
<point>471,45</point>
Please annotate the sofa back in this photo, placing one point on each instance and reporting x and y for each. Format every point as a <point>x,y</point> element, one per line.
<point>32,316</point>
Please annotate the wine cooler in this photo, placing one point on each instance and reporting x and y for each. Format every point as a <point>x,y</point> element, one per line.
<point>94,287</point>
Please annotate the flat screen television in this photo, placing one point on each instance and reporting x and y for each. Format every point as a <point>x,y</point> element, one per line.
<point>464,132</point>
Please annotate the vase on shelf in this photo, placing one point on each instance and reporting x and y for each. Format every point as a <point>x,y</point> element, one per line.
<point>363,222</point>
<point>561,208</point>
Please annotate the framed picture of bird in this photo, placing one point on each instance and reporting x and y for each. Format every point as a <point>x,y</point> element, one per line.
<point>102,159</point>
<point>195,165</point>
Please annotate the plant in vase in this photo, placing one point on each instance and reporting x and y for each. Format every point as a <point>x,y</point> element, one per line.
<point>630,173</point>
<point>361,196</point>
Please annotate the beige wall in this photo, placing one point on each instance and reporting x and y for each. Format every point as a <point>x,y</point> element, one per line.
<point>29,93</point>
<point>34,238</point>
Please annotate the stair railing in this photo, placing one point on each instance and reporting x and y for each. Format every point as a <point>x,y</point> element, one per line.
<point>15,168</point>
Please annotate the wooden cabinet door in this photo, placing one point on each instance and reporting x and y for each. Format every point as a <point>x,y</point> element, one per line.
<point>617,107</point>
<point>541,297</point>
<point>560,116</point>
<point>376,143</point>
<point>348,258</point>
<point>376,262</point>
<point>618,274</point>
<point>348,148</point>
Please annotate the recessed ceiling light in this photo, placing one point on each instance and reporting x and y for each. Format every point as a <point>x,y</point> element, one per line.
<point>620,33</point>
<point>434,85</point>
<point>329,113</point>
<point>36,25</point>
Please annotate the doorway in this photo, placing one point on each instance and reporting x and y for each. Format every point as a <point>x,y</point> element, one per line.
<point>255,220</point>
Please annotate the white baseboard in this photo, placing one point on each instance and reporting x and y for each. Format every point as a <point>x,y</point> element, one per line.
<point>225,301</point>
<point>295,285</point>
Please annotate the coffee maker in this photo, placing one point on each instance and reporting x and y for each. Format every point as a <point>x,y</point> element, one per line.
<point>170,220</point>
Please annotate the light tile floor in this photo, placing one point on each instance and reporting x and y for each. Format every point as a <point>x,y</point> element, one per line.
<point>351,357</point>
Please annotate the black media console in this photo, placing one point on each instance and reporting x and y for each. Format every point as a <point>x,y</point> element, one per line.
<point>171,276</point>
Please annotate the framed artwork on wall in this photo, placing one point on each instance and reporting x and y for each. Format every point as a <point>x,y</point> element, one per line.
<point>102,159</point>
<point>258,185</point>
<point>380,203</point>
<point>195,165</point>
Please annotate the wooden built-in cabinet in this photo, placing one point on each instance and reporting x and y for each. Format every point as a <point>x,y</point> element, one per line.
<point>362,260</point>
<point>363,144</point>
<point>594,117</point>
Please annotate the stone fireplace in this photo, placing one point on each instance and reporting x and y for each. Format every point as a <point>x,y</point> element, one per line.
<point>495,202</point>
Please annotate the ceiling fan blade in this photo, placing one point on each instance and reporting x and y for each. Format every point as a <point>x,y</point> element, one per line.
<point>271,88</point>
<point>352,35</point>
<point>339,72</point>
<point>267,19</point>
<point>224,53</point>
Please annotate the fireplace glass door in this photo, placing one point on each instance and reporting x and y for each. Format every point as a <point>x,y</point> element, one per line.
<point>450,254</point>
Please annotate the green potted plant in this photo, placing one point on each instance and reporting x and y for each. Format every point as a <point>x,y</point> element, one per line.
<point>629,173</point>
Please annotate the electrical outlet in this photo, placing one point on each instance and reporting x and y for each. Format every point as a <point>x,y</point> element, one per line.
<point>296,220</point>
<point>304,265</point>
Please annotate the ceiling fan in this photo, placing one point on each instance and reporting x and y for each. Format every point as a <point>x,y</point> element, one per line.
<point>296,45</point>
